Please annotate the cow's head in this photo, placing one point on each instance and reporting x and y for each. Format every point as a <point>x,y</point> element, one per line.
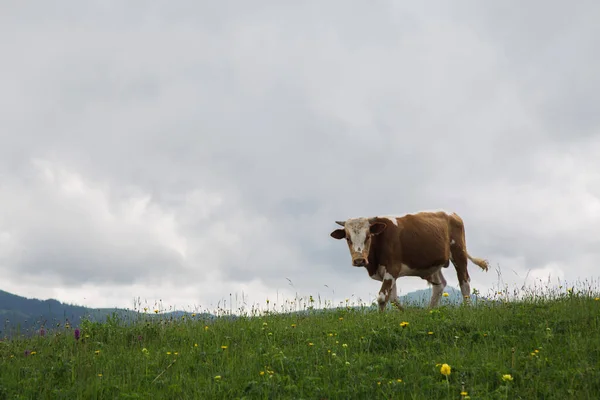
<point>358,233</point>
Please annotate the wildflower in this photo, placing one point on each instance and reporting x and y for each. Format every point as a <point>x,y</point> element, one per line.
<point>463,393</point>
<point>33,353</point>
<point>176,353</point>
<point>596,298</point>
<point>195,344</point>
<point>262,373</point>
<point>430,333</point>
<point>27,352</point>
<point>42,332</point>
<point>218,377</point>
<point>403,324</point>
<point>536,351</point>
<point>206,327</point>
<point>145,351</point>
<point>379,383</point>
<point>77,333</point>
<point>331,334</point>
<point>168,353</point>
<point>399,380</point>
<point>264,324</point>
<point>156,311</point>
<point>507,377</point>
<point>445,294</point>
<point>310,344</point>
<point>445,369</point>
<point>193,314</point>
<point>341,318</point>
<point>333,354</point>
<point>97,352</point>
<point>293,325</point>
<point>100,375</point>
<point>347,363</point>
<point>223,347</point>
<point>344,345</point>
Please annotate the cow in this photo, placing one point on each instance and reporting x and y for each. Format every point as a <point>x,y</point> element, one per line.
<point>419,244</point>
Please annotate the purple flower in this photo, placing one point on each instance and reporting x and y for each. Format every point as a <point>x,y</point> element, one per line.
<point>27,353</point>
<point>42,332</point>
<point>77,334</point>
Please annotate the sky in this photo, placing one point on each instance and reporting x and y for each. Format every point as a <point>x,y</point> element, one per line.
<point>197,154</point>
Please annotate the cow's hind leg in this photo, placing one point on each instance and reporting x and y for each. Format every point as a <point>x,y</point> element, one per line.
<point>438,284</point>
<point>459,260</point>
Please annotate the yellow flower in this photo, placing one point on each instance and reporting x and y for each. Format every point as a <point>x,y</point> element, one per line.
<point>344,345</point>
<point>463,393</point>
<point>536,351</point>
<point>445,369</point>
<point>262,373</point>
<point>100,375</point>
<point>206,327</point>
<point>341,318</point>
<point>194,314</point>
<point>217,377</point>
<point>168,353</point>
<point>195,344</point>
<point>156,311</point>
<point>97,352</point>
<point>596,298</point>
<point>293,325</point>
<point>310,344</point>
<point>445,294</point>
<point>430,333</point>
<point>223,347</point>
<point>507,377</point>
<point>398,380</point>
<point>403,324</point>
<point>33,353</point>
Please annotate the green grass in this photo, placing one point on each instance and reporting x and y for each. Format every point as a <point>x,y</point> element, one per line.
<point>549,346</point>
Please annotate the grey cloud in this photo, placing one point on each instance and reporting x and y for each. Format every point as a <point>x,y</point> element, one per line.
<point>254,128</point>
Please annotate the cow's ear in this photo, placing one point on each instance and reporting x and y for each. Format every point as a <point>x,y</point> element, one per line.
<point>377,227</point>
<point>338,234</point>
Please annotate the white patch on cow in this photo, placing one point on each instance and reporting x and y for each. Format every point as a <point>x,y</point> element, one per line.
<point>358,228</point>
<point>387,276</point>
<point>381,297</point>
<point>452,242</point>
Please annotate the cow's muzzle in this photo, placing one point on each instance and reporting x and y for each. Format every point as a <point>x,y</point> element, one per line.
<point>359,262</point>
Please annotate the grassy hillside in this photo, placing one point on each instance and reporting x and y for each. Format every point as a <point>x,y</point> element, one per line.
<point>537,348</point>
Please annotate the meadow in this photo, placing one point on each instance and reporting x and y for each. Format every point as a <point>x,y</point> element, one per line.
<point>541,346</point>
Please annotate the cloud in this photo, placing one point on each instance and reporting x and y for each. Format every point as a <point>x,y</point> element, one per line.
<point>189,153</point>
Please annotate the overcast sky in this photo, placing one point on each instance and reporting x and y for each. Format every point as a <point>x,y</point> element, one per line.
<point>185,151</point>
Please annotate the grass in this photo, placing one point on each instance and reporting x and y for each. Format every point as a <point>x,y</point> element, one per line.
<point>538,347</point>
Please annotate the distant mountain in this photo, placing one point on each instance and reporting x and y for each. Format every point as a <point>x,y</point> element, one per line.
<point>24,316</point>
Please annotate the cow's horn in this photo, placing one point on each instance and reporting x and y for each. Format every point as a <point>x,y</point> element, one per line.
<point>342,223</point>
<point>372,219</point>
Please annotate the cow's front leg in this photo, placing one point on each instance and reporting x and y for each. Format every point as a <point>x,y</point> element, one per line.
<point>385,291</point>
<point>394,297</point>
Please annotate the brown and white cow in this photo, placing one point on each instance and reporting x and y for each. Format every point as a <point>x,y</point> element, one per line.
<point>419,244</point>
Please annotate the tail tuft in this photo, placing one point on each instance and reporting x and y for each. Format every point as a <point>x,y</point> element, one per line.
<point>480,262</point>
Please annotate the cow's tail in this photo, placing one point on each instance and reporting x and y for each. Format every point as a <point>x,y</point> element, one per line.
<point>480,262</point>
